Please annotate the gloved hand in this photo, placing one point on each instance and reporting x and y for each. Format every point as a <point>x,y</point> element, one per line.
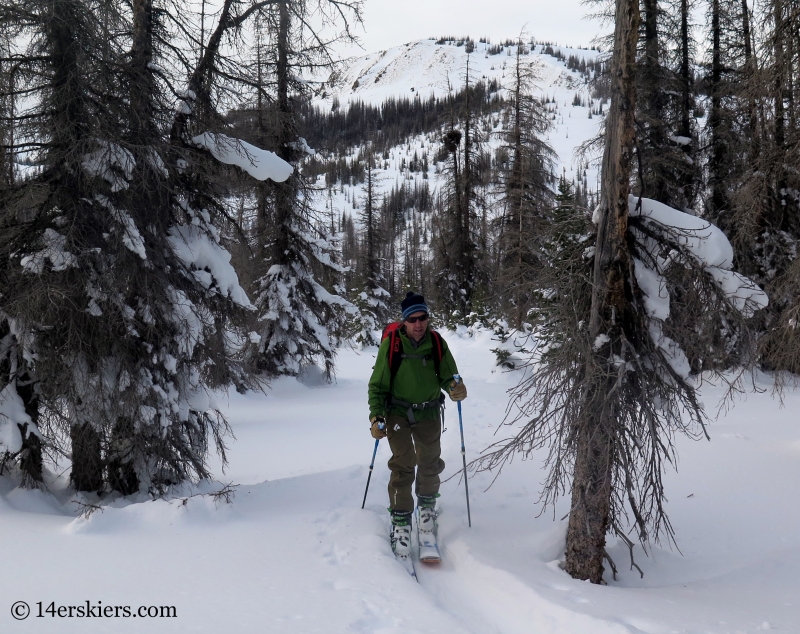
<point>378,428</point>
<point>458,391</point>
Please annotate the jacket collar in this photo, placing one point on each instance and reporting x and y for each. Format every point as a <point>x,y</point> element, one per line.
<point>422,342</point>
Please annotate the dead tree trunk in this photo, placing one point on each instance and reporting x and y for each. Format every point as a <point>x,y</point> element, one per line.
<point>611,315</point>
<point>87,464</point>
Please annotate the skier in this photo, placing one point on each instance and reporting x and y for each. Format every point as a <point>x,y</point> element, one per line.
<point>413,366</point>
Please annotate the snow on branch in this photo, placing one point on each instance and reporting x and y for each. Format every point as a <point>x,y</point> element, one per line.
<point>260,164</point>
<point>112,163</point>
<point>209,262</point>
<point>689,237</point>
<point>709,247</point>
<point>54,251</point>
<point>12,414</point>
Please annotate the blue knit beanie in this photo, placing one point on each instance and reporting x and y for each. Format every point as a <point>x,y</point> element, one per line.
<point>413,303</point>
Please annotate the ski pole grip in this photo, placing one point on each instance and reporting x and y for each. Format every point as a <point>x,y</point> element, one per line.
<point>457,378</point>
<point>381,426</point>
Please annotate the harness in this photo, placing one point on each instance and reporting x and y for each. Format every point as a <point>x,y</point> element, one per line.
<point>437,403</point>
<point>396,356</point>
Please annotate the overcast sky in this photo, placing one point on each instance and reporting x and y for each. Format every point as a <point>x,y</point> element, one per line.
<point>391,22</point>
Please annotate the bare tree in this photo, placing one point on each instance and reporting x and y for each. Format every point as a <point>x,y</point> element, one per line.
<point>611,382</point>
<point>526,193</point>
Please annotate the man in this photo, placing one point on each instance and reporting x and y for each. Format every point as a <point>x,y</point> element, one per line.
<point>406,408</point>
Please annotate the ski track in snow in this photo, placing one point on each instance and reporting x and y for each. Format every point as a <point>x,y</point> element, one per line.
<point>295,553</point>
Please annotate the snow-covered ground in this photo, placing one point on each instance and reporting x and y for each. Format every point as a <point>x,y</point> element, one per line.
<point>294,552</point>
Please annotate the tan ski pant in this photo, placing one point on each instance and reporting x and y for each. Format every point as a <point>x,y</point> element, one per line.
<point>418,446</point>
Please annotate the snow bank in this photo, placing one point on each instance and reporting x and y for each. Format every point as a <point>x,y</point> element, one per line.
<point>260,164</point>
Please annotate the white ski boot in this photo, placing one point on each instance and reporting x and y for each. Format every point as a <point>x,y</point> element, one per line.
<point>401,540</point>
<point>427,529</point>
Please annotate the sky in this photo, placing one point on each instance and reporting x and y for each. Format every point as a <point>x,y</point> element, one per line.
<point>388,23</point>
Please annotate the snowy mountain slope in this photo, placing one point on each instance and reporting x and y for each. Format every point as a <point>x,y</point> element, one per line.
<point>294,553</point>
<point>425,68</point>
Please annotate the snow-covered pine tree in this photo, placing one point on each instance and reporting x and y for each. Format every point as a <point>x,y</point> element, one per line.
<point>112,250</point>
<point>610,385</point>
<point>298,319</point>
<point>20,441</point>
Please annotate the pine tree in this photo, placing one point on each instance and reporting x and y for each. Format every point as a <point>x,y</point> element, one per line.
<point>527,197</point>
<point>373,296</point>
<point>114,267</point>
<point>297,316</point>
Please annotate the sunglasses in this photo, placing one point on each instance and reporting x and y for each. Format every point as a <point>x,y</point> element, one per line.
<point>414,320</point>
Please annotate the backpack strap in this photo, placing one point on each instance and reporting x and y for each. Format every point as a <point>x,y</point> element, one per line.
<point>438,350</point>
<point>395,355</point>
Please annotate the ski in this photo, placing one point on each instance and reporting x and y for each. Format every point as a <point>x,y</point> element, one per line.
<point>408,564</point>
<point>426,542</point>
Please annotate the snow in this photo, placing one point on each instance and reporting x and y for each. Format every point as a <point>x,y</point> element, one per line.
<point>653,286</point>
<point>301,145</point>
<point>54,251</point>
<point>680,140</point>
<point>210,263</point>
<point>710,247</point>
<point>437,69</point>
<point>111,162</point>
<point>745,295</point>
<point>294,553</point>
<point>260,164</point>
<point>713,254</point>
<point>131,237</point>
<point>12,412</point>
<point>705,241</point>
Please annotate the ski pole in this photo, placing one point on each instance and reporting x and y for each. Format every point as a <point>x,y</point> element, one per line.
<point>457,379</point>
<point>372,464</point>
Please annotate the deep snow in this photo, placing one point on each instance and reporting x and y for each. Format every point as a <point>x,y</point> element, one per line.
<point>294,552</point>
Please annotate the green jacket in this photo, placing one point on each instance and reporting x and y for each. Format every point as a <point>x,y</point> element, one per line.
<point>414,382</point>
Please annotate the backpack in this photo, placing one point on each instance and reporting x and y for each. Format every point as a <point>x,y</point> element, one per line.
<point>396,355</point>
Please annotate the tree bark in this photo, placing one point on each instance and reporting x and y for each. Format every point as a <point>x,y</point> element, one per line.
<point>285,193</point>
<point>611,314</point>
<point>717,159</point>
<point>87,464</point>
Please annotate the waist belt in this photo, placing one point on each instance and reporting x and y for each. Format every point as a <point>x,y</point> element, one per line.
<point>437,403</point>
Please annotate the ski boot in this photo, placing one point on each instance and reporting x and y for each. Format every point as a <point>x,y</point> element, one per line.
<point>401,539</point>
<point>427,529</point>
